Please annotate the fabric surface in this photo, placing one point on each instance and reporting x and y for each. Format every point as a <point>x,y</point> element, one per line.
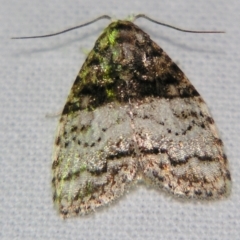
<point>36,76</point>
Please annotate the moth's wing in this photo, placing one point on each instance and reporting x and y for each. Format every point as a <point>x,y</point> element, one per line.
<point>180,145</point>
<point>90,168</point>
<point>132,113</point>
<point>92,160</point>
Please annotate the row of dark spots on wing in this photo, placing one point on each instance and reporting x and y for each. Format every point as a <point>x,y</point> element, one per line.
<point>121,154</point>
<point>198,192</point>
<point>184,115</point>
<point>207,193</point>
<point>193,179</point>
<point>175,162</point>
<point>161,178</point>
<point>83,129</point>
<point>205,120</point>
<point>153,150</point>
<point>75,131</point>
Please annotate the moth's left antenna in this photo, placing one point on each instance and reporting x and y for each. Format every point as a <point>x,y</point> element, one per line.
<point>67,30</point>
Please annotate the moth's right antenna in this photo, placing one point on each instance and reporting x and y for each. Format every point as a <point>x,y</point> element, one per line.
<point>67,30</point>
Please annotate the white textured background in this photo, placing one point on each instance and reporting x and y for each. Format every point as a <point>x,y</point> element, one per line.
<point>36,77</point>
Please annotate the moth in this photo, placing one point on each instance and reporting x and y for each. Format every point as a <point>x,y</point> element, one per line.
<point>132,115</point>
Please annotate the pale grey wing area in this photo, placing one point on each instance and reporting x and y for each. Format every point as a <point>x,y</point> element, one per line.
<point>93,162</point>
<point>171,143</point>
<point>181,151</point>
